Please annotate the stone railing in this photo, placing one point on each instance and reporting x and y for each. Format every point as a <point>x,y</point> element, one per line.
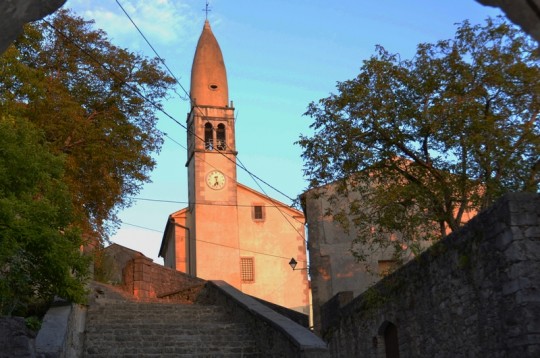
<point>300,318</point>
<point>277,335</point>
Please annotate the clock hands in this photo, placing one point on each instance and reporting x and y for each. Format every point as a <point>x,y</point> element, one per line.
<point>215,180</point>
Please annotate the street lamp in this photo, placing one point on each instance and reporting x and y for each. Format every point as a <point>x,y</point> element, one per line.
<point>293,264</point>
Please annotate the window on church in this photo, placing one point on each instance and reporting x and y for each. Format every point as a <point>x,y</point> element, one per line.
<point>220,137</point>
<point>208,137</point>
<point>258,213</point>
<point>247,269</point>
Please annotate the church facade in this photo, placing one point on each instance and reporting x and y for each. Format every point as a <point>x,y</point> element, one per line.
<point>229,231</point>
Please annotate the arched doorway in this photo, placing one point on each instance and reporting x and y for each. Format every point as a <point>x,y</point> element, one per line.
<point>389,332</point>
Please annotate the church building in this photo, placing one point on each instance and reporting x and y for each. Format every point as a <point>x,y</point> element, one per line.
<point>229,231</point>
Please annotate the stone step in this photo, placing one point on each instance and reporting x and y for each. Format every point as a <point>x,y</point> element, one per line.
<point>169,352</point>
<point>134,329</point>
<point>134,311</point>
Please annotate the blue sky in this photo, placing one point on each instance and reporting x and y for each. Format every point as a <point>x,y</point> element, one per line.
<point>280,55</point>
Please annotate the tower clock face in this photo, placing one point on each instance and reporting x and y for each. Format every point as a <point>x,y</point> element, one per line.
<point>215,180</point>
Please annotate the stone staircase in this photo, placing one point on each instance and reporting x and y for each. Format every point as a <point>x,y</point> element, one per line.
<point>124,328</point>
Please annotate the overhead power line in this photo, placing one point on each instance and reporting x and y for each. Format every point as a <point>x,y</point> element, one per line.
<point>159,108</point>
<point>155,52</point>
<point>209,204</point>
<point>221,245</point>
<point>142,227</point>
<point>240,164</point>
<point>280,211</point>
<point>253,176</point>
<point>187,203</point>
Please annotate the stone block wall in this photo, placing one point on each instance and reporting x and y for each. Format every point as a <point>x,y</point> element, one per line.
<point>330,311</point>
<point>474,294</point>
<point>147,280</point>
<point>16,340</point>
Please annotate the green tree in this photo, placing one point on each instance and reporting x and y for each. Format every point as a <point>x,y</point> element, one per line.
<point>84,93</point>
<point>414,145</point>
<point>39,246</point>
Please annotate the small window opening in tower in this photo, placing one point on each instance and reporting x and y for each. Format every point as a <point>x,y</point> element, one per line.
<point>386,267</point>
<point>208,137</point>
<point>220,137</point>
<point>258,213</point>
<point>213,87</point>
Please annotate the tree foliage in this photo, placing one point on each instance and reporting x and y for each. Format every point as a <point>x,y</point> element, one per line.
<point>81,90</point>
<point>414,145</point>
<point>39,246</point>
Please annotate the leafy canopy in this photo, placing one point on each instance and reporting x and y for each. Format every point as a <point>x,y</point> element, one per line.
<point>413,146</point>
<point>78,88</point>
<point>39,246</point>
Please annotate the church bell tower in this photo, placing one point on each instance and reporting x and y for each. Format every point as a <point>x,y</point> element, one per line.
<point>212,212</point>
<point>230,231</point>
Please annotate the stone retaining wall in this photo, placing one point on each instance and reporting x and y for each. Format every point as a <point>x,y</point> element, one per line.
<point>474,294</point>
<point>16,340</point>
<point>148,280</point>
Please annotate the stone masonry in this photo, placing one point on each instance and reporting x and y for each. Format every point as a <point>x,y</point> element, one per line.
<point>474,294</point>
<point>158,312</point>
<point>147,280</point>
<point>123,327</point>
<point>16,340</point>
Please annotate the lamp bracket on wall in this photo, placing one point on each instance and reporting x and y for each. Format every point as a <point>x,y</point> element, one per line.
<point>293,264</point>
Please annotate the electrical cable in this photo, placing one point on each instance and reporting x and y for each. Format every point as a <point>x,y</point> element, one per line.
<point>187,203</point>
<point>228,176</point>
<point>188,95</point>
<point>283,214</point>
<point>209,204</point>
<point>155,52</point>
<point>159,108</point>
<point>178,81</point>
<point>217,244</point>
<point>141,227</point>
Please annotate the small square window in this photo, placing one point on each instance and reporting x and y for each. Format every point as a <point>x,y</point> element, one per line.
<point>386,267</point>
<point>258,212</point>
<point>247,269</point>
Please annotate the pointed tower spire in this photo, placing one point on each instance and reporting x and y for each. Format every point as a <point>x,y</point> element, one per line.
<point>208,75</point>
